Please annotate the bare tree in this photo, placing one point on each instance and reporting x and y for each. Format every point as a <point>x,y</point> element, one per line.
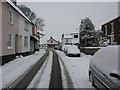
<point>39,22</point>
<point>27,11</point>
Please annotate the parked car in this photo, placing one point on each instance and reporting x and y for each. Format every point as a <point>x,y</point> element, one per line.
<point>57,47</point>
<point>65,48</point>
<point>103,68</point>
<point>72,51</point>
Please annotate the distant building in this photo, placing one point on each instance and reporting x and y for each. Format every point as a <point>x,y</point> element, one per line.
<point>34,39</point>
<point>75,38</point>
<point>52,42</point>
<point>111,31</point>
<point>67,40</point>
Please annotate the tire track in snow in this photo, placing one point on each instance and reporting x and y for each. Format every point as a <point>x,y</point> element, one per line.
<point>36,84</point>
<point>42,78</point>
<point>67,75</point>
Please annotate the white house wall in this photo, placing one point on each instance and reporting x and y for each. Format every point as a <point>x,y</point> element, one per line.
<point>64,40</point>
<point>75,40</point>
<point>22,33</point>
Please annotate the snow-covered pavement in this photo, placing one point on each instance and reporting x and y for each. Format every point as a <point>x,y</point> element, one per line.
<point>12,70</point>
<point>78,69</point>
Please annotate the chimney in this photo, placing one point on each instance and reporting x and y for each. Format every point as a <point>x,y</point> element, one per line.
<point>15,2</point>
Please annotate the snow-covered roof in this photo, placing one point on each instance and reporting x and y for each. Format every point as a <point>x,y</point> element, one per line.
<point>18,10</point>
<point>40,33</point>
<point>74,32</point>
<point>67,37</point>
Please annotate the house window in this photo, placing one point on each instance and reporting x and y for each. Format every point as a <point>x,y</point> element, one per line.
<point>10,41</point>
<point>105,30</point>
<point>51,41</point>
<point>10,16</point>
<point>75,36</point>
<point>26,26</point>
<point>112,28</point>
<point>66,40</point>
<point>26,41</point>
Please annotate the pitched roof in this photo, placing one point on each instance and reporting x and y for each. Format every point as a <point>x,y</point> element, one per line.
<point>111,20</point>
<point>51,38</point>
<point>17,9</point>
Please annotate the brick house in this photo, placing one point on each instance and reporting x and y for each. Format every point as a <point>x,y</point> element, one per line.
<point>111,31</point>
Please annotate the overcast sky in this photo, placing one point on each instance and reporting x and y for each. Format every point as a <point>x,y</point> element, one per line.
<point>65,17</point>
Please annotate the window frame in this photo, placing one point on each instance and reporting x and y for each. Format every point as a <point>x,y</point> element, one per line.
<point>119,25</point>
<point>51,41</point>
<point>26,25</point>
<point>10,17</point>
<point>11,41</point>
<point>106,30</point>
<point>67,40</point>
<point>25,42</point>
<point>112,28</point>
<point>76,37</point>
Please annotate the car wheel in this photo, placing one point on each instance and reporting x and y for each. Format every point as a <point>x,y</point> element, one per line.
<point>91,79</point>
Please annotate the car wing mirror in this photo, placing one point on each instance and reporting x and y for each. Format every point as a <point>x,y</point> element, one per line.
<point>115,74</point>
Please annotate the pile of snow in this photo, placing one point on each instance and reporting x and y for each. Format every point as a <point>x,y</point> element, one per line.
<point>12,70</point>
<point>78,69</point>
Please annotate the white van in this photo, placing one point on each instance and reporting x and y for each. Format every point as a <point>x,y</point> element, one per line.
<point>103,68</point>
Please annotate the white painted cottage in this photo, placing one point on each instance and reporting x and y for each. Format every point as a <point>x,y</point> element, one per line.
<point>67,40</point>
<point>75,38</point>
<point>25,30</point>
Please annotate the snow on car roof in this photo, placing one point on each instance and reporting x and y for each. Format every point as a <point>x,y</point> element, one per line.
<point>73,49</point>
<point>106,59</point>
<point>18,10</point>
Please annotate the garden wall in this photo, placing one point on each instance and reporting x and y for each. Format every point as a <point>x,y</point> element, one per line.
<point>89,50</point>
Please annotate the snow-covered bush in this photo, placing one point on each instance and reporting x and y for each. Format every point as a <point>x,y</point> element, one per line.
<point>87,33</point>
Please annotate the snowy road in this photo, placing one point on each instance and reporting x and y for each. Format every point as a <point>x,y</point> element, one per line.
<point>72,71</point>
